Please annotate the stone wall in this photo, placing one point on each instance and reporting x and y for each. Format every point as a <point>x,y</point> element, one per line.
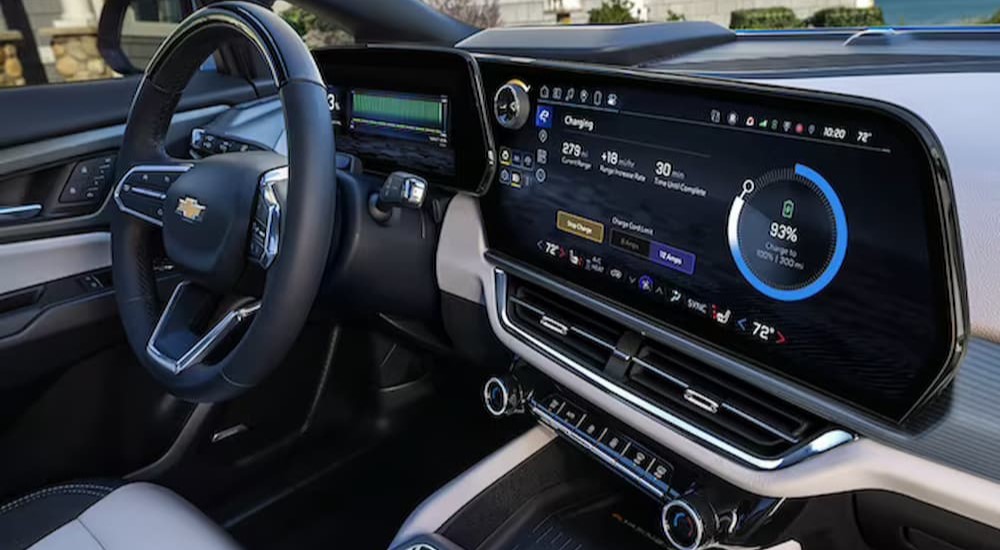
<point>76,55</point>
<point>11,69</point>
<point>531,12</point>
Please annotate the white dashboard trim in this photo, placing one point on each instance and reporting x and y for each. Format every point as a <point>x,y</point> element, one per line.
<point>865,464</point>
<point>29,263</point>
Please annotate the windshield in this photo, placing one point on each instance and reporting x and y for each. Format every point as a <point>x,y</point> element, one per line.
<point>735,14</point>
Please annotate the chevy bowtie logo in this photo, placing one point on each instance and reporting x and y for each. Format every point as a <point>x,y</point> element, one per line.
<point>190,209</point>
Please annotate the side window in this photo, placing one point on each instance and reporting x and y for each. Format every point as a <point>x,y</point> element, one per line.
<point>54,41</point>
<point>314,30</point>
<point>147,23</point>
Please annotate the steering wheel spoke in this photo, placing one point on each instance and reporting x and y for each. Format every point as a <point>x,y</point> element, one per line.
<point>142,191</point>
<point>179,340</point>
<point>265,229</point>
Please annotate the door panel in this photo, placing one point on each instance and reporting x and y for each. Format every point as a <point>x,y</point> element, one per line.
<point>29,263</point>
<point>42,170</point>
<point>73,400</point>
<point>76,107</point>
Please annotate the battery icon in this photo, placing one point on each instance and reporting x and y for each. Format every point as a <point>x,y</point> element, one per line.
<point>788,209</point>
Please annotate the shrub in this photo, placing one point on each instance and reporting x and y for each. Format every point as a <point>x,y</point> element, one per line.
<point>613,12</point>
<point>847,17</point>
<point>673,16</point>
<point>993,20</point>
<point>315,31</point>
<point>764,18</point>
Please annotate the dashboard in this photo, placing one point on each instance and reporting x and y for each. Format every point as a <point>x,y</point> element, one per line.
<point>806,236</point>
<point>860,315</point>
<point>811,236</point>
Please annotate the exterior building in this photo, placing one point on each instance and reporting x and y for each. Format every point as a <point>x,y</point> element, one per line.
<point>547,12</point>
<point>64,33</point>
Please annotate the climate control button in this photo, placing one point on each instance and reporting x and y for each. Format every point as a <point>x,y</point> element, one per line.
<point>502,396</point>
<point>688,524</point>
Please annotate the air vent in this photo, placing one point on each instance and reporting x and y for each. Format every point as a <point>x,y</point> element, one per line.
<point>716,408</point>
<point>723,405</point>
<point>572,330</point>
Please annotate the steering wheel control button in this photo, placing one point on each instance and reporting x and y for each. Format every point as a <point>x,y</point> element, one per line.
<point>143,190</point>
<point>511,105</point>
<point>264,231</point>
<point>502,396</point>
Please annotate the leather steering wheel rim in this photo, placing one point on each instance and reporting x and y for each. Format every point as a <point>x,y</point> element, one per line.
<point>307,218</point>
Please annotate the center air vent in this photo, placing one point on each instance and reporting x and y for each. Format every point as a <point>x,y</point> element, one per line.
<point>729,408</point>
<point>572,330</point>
<point>688,394</point>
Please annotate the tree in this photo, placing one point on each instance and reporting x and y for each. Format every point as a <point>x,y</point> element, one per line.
<point>482,14</point>
<point>613,12</point>
<point>315,31</point>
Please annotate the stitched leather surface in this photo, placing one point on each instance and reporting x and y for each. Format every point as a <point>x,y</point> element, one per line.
<point>138,516</point>
<point>27,519</point>
<point>308,216</point>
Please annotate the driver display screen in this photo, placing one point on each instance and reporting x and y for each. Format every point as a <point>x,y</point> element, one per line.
<point>800,236</point>
<point>394,129</point>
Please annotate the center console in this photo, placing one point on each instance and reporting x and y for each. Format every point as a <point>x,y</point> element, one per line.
<point>598,485</point>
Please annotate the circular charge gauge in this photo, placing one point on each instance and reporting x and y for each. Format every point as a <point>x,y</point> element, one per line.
<point>788,233</point>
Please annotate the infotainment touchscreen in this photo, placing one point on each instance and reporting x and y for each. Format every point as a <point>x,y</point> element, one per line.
<point>803,235</point>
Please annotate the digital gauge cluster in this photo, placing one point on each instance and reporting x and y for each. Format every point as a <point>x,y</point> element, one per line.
<point>808,235</point>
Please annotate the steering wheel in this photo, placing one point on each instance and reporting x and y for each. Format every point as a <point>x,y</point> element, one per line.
<point>249,231</point>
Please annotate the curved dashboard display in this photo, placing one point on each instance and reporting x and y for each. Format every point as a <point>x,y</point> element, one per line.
<point>414,109</point>
<point>809,235</point>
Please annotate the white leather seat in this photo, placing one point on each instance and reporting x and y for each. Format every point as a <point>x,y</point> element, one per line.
<point>136,516</point>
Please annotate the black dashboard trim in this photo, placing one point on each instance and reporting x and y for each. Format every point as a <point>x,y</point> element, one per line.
<point>946,212</point>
